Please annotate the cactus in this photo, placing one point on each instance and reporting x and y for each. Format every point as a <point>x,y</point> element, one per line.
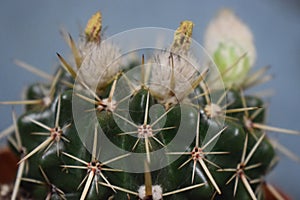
<point>107,128</point>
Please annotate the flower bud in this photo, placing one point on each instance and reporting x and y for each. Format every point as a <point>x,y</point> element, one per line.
<point>230,43</point>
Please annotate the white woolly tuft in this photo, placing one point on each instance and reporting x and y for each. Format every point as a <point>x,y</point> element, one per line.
<point>101,62</point>
<point>157,192</point>
<point>226,27</point>
<point>185,73</point>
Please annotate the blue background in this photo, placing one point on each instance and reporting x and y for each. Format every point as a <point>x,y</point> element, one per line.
<point>29,31</point>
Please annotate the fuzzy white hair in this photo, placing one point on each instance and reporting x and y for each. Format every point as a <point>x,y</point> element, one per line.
<point>157,192</point>
<point>226,27</point>
<point>101,63</point>
<point>184,71</point>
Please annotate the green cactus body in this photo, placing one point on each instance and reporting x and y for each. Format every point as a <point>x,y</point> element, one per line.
<point>169,178</point>
<point>61,167</point>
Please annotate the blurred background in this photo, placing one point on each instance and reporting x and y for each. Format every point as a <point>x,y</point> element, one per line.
<point>30,32</point>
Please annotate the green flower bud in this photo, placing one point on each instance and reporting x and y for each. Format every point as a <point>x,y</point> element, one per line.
<point>232,66</point>
<point>230,43</point>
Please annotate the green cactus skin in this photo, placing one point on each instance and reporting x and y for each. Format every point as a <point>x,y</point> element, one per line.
<point>50,166</point>
<point>170,177</point>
